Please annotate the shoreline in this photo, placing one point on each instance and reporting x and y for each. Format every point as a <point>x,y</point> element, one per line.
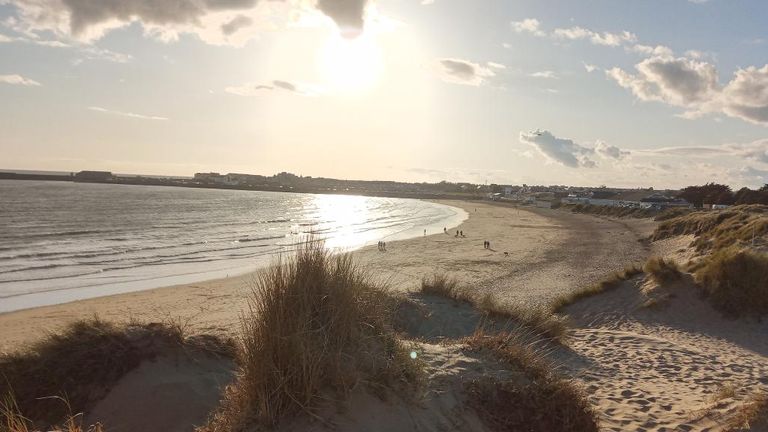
<point>542,247</point>
<point>187,275</point>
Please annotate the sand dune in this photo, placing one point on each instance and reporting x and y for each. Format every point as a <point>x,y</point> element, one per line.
<point>671,366</point>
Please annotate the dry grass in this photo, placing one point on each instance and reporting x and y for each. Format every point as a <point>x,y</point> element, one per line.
<point>716,230</point>
<point>662,271</point>
<point>11,419</point>
<point>81,362</point>
<point>620,212</point>
<point>752,416</point>
<point>611,282</point>
<point>538,319</point>
<point>735,281</point>
<point>444,286</point>
<point>317,327</point>
<point>538,400</point>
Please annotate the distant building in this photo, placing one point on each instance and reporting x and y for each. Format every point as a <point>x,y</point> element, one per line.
<point>94,176</point>
<point>211,178</point>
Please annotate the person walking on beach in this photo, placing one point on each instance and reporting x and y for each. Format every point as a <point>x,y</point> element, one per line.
<point>457,233</point>
<point>425,233</point>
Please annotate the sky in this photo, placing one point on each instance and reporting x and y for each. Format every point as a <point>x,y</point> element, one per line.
<point>624,93</point>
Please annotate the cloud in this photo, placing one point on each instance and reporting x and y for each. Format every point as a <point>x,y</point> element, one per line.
<point>559,150</point>
<point>609,151</point>
<point>596,38</point>
<point>528,25</point>
<point>18,80</point>
<point>126,114</point>
<point>496,65</point>
<point>349,15</point>
<point>590,67</point>
<point>658,50</point>
<point>693,85</point>
<point>236,24</point>
<point>676,81</point>
<point>212,20</point>
<point>87,51</point>
<point>755,151</point>
<point>463,72</point>
<point>548,74</point>
<point>251,89</point>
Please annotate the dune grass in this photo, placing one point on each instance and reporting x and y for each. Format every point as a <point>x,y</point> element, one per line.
<point>662,271</point>
<point>613,281</point>
<point>735,281</point>
<point>317,327</point>
<point>715,230</point>
<point>81,362</point>
<point>11,419</point>
<point>539,400</point>
<point>752,416</point>
<point>627,212</point>
<point>538,319</point>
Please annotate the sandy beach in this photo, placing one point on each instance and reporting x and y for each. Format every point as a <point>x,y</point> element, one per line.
<point>548,252</point>
<point>643,368</point>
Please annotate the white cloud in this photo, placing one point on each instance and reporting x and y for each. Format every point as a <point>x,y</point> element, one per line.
<point>559,150</point>
<point>252,89</point>
<point>528,25</point>
<point>590,67</point>
<point>608,151</point>
<point>126,114</point>
<point>496,65</point>
<point>658,50</point>
<point>5,39</point>
<point>548,74</point>
<point>465,72</point>
<point>693,85</point>
<point>597,38</point>
<point>18,80</point>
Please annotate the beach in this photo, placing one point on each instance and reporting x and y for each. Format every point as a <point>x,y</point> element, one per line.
<point>646,357</point>
<point>549,252</point>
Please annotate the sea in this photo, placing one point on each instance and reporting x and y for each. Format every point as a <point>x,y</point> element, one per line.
<point>64,241</point>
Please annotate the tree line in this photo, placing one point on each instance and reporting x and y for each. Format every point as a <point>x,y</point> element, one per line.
<point>714,193</point>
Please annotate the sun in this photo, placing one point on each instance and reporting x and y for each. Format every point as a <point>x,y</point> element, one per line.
<point>351,65</point>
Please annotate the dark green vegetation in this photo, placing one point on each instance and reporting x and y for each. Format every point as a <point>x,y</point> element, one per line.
<point>713,193</point>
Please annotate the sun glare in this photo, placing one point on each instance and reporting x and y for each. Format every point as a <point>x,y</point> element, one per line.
<point>351,65</point>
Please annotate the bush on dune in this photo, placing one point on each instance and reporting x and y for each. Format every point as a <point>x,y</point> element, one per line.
<point>752,416</point>
<point>736,281</point>
<point>538,319</point>
<point>718,229</point>
<point>81,362</point>
<point>611,282</point>
<point>662,270</point>
<point>317,327</point>
<point>539,400</point>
